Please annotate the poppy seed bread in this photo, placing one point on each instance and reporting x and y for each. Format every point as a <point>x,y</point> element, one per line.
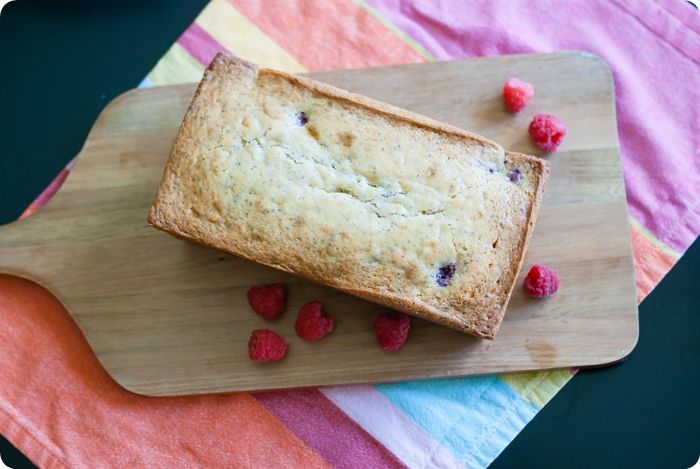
<point>352,193</point>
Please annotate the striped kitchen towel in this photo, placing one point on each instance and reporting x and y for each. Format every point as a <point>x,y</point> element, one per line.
<point>86,420</point>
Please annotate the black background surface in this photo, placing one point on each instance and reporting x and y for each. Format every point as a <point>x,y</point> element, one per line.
<point>62,62</point>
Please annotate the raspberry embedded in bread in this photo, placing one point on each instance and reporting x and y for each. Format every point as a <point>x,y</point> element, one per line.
<point>302,118</point>
<point>445,274</point>
<point>514,175</point>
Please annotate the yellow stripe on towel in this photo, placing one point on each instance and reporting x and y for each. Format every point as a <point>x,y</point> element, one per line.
<point>237,34</point>
<point>176,66</point>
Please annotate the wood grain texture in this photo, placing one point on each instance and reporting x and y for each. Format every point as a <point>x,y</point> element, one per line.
<point>169,317</point>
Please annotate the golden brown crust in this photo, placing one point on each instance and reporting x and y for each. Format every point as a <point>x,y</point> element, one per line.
<point>170,211</point>
<point>543,168</point>
<point>388,110</point>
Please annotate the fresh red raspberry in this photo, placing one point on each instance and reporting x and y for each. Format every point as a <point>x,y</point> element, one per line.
<point>541,281</point>
<point>269,301</point>
<point>392,330</point>
<point>313,322</point>
<point>547,131</point>
<point>516,94</point>
<point>266,346</point>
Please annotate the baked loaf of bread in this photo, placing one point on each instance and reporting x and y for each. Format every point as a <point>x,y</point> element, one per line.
<point>352,193</point>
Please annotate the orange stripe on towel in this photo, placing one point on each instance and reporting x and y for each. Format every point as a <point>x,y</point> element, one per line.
<point>44,353</point>
<point>328,34</point>
<point>650,263</point>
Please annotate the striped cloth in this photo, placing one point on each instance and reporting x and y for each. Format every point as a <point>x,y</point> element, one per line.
<point>451,423</point>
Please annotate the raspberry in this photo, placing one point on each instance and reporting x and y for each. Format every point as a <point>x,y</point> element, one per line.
<point>547,131</point>
<point>269,301</point>
<point>541,281</point>
<point>515,175</point>
<point>392,329</point>
<point>445,274</point>
<point>266,346</point>
<point>313,322</point>
<point>516,94</point>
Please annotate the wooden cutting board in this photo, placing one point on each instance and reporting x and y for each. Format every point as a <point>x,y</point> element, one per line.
<point>168,317</point>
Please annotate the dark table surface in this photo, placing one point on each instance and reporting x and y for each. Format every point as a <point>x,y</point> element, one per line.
<point>62,62</point>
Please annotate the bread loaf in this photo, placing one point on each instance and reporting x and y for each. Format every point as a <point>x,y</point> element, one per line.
<point>352,193</point>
